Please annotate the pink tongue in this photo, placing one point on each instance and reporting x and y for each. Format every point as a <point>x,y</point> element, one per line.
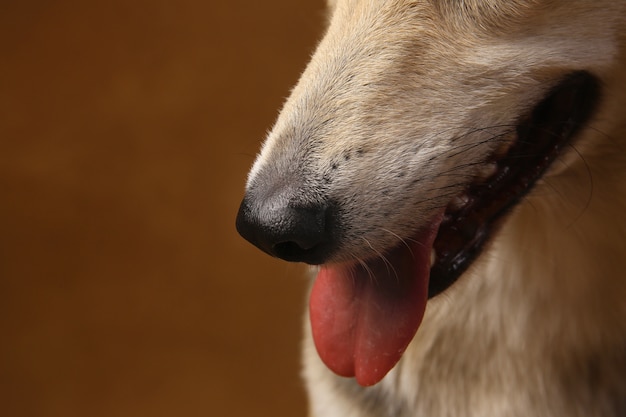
<point>363,317</point>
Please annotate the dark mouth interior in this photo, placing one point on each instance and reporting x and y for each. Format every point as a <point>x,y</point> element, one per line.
<point>540,138</point>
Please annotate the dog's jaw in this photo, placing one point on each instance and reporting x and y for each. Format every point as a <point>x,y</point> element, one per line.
<point>363,316</point>
<point>350,338</point>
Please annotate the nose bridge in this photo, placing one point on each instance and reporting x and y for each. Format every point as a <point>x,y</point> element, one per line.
<point>286,153</point>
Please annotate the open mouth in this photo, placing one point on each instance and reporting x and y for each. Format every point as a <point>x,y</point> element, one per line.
<point>540,138</point>
<point>364,316</point>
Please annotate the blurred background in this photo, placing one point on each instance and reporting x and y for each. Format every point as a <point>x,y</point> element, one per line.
<point>126,132</point>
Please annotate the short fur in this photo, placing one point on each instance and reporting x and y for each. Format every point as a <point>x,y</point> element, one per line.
<point>398,96</point>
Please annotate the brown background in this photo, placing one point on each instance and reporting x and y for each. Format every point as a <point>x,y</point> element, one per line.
<point>126,132</point>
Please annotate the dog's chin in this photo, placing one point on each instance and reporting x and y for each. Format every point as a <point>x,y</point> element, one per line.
<point>472,218</point>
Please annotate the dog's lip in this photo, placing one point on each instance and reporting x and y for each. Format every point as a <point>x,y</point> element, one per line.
<point>473,216</point>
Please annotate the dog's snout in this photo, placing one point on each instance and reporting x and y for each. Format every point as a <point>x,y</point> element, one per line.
<point>297,232</point>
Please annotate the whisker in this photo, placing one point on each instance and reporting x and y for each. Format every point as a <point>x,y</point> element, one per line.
<point>591,185</point>
<point>370,274</point>
<point>469,146</point>
<point>384,259</point>
<point>404,242</point>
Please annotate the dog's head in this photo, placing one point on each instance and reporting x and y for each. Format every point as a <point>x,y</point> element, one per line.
<point>413,130</point>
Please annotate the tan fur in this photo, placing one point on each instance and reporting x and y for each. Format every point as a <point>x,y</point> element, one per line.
<point>537,326</point>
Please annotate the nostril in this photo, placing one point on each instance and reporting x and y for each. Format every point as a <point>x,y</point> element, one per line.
<point>303,237</point>
<point>289,250</point>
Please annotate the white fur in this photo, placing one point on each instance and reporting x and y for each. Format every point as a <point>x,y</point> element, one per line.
<point>537,326</point>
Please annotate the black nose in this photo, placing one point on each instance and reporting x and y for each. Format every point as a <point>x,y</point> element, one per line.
<point>284,228</point>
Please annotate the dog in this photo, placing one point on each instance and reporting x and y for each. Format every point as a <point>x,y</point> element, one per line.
<point>455,172</point>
